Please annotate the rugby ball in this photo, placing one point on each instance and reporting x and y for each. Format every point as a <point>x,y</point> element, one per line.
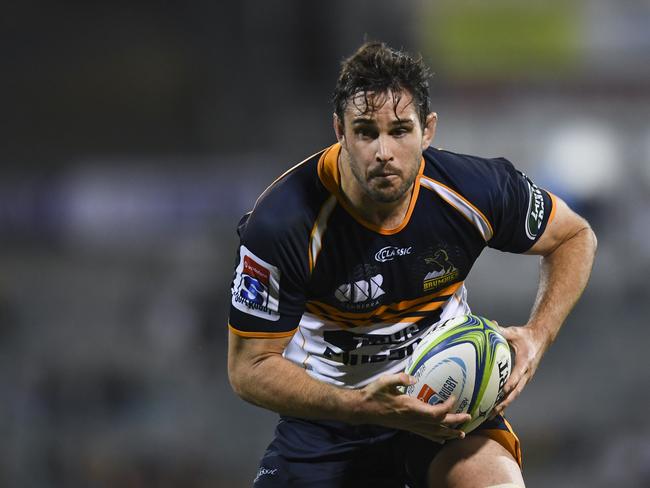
<point>465,357</point>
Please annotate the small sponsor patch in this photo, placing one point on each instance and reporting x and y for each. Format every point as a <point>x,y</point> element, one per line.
<point>389,253</point>
<point>535,213</point>
<point>256,287</point>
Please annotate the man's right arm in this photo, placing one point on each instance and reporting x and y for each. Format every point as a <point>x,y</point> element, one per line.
<point>260,375</point>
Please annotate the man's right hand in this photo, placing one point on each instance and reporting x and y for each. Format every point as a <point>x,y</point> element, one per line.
<point>383,403</point>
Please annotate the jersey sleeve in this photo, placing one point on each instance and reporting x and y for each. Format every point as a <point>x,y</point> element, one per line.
<point>268,286</point>
<point>511,211</point>
<point>518,209</point>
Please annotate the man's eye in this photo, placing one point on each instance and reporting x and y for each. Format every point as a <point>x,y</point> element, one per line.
<point>366,133</point>
<point>400,131</point>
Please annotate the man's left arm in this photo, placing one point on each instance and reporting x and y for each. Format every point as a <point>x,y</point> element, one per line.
<point>567,249</point>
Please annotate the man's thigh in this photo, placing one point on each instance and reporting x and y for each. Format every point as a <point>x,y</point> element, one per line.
<point>431,465</point>
<point>475,462</point>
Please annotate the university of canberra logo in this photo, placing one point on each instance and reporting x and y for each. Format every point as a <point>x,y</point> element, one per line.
<point>256,287</point>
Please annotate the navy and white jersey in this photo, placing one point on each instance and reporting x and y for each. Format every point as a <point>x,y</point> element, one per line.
<point>357,298</point>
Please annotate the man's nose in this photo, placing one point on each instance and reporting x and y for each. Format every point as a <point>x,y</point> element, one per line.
<point>384,154</point>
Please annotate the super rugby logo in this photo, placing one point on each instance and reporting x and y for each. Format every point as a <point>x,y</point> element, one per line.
<point>535,214</point>
<point>256,287</point>
<point>255,282</point>
<point>389,253</point>
<point>432,397</point>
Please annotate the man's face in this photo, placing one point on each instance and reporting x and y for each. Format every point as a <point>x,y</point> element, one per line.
<point>383,146</point>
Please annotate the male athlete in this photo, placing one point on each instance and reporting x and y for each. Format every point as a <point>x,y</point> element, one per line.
<point>350,257</point>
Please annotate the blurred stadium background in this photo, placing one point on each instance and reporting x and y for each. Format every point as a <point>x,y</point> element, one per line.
<point>135,134</point>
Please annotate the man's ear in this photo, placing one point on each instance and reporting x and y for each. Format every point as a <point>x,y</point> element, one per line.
<point>429,130</point>
<point>338,128</point>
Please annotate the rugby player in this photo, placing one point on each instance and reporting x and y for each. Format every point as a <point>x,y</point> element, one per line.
<point>350,257</point>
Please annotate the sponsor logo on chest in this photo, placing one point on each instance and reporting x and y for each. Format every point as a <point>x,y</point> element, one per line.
<point>389,253</point>
<point>361,291</point>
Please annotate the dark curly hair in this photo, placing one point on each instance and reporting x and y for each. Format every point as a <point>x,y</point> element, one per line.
<point>376,67</point>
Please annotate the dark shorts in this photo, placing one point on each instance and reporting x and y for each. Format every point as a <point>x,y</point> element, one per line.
<point>334,454</point>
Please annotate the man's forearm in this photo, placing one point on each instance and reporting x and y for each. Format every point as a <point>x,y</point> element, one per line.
<point>563,276</point>
<point>277,384</point>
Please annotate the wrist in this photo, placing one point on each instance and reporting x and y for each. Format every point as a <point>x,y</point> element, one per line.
<point>351,406</point>
<point>542,334</point>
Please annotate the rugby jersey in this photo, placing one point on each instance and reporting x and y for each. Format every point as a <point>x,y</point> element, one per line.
<point>357,298</point>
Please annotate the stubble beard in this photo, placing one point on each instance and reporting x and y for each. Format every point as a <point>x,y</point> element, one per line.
<point>388,193</point>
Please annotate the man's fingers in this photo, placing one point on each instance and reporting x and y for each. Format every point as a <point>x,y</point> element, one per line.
<point>440,433</point>
<point>511,395</point>
<point>507,332</point>
<point>445,415</point>
<point>398,379</point>
<point>514,379</point>
<point>456,418</point>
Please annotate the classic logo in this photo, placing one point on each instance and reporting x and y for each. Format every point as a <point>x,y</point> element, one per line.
<point>444,271</point>
<point>256,287</point>
<point>389,253</point>
<point>535,214</point>
<point>360,291</point>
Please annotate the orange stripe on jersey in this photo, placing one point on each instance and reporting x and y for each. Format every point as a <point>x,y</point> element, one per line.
<point>507,438</point>
<point>410,317</point>
<point>406,311</point>
<point>397,307</point>
<point>262,335</point>
<point>328,172</point>
<point>554,200</point>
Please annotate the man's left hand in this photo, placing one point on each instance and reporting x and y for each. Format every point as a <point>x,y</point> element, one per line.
<point>528,349</point>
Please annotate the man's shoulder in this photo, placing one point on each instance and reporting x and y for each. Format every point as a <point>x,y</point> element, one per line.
<point>466,172</point>
<point>292,200</point>
<point>444,162</point>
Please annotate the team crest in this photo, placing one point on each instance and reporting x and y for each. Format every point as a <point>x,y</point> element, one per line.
<point>443,273</point>
<point>256,287</point>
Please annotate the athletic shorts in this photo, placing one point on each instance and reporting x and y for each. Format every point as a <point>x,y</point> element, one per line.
<point>332,454</point>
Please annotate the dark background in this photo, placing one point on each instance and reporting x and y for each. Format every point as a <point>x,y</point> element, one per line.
<point>135,134</point>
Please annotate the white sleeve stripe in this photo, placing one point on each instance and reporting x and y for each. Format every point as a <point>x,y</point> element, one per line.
<point>471,213</point>
<point>318,231</point>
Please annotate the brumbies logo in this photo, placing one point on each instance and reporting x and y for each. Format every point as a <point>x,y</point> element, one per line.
<point>256,287</point>
<point>444,271</point>
<point>535,213</point>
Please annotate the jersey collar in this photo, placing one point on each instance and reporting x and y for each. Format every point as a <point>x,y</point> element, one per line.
<point>328,172</point>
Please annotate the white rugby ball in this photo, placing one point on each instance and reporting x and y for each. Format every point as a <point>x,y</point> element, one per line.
<point>465,357</point>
